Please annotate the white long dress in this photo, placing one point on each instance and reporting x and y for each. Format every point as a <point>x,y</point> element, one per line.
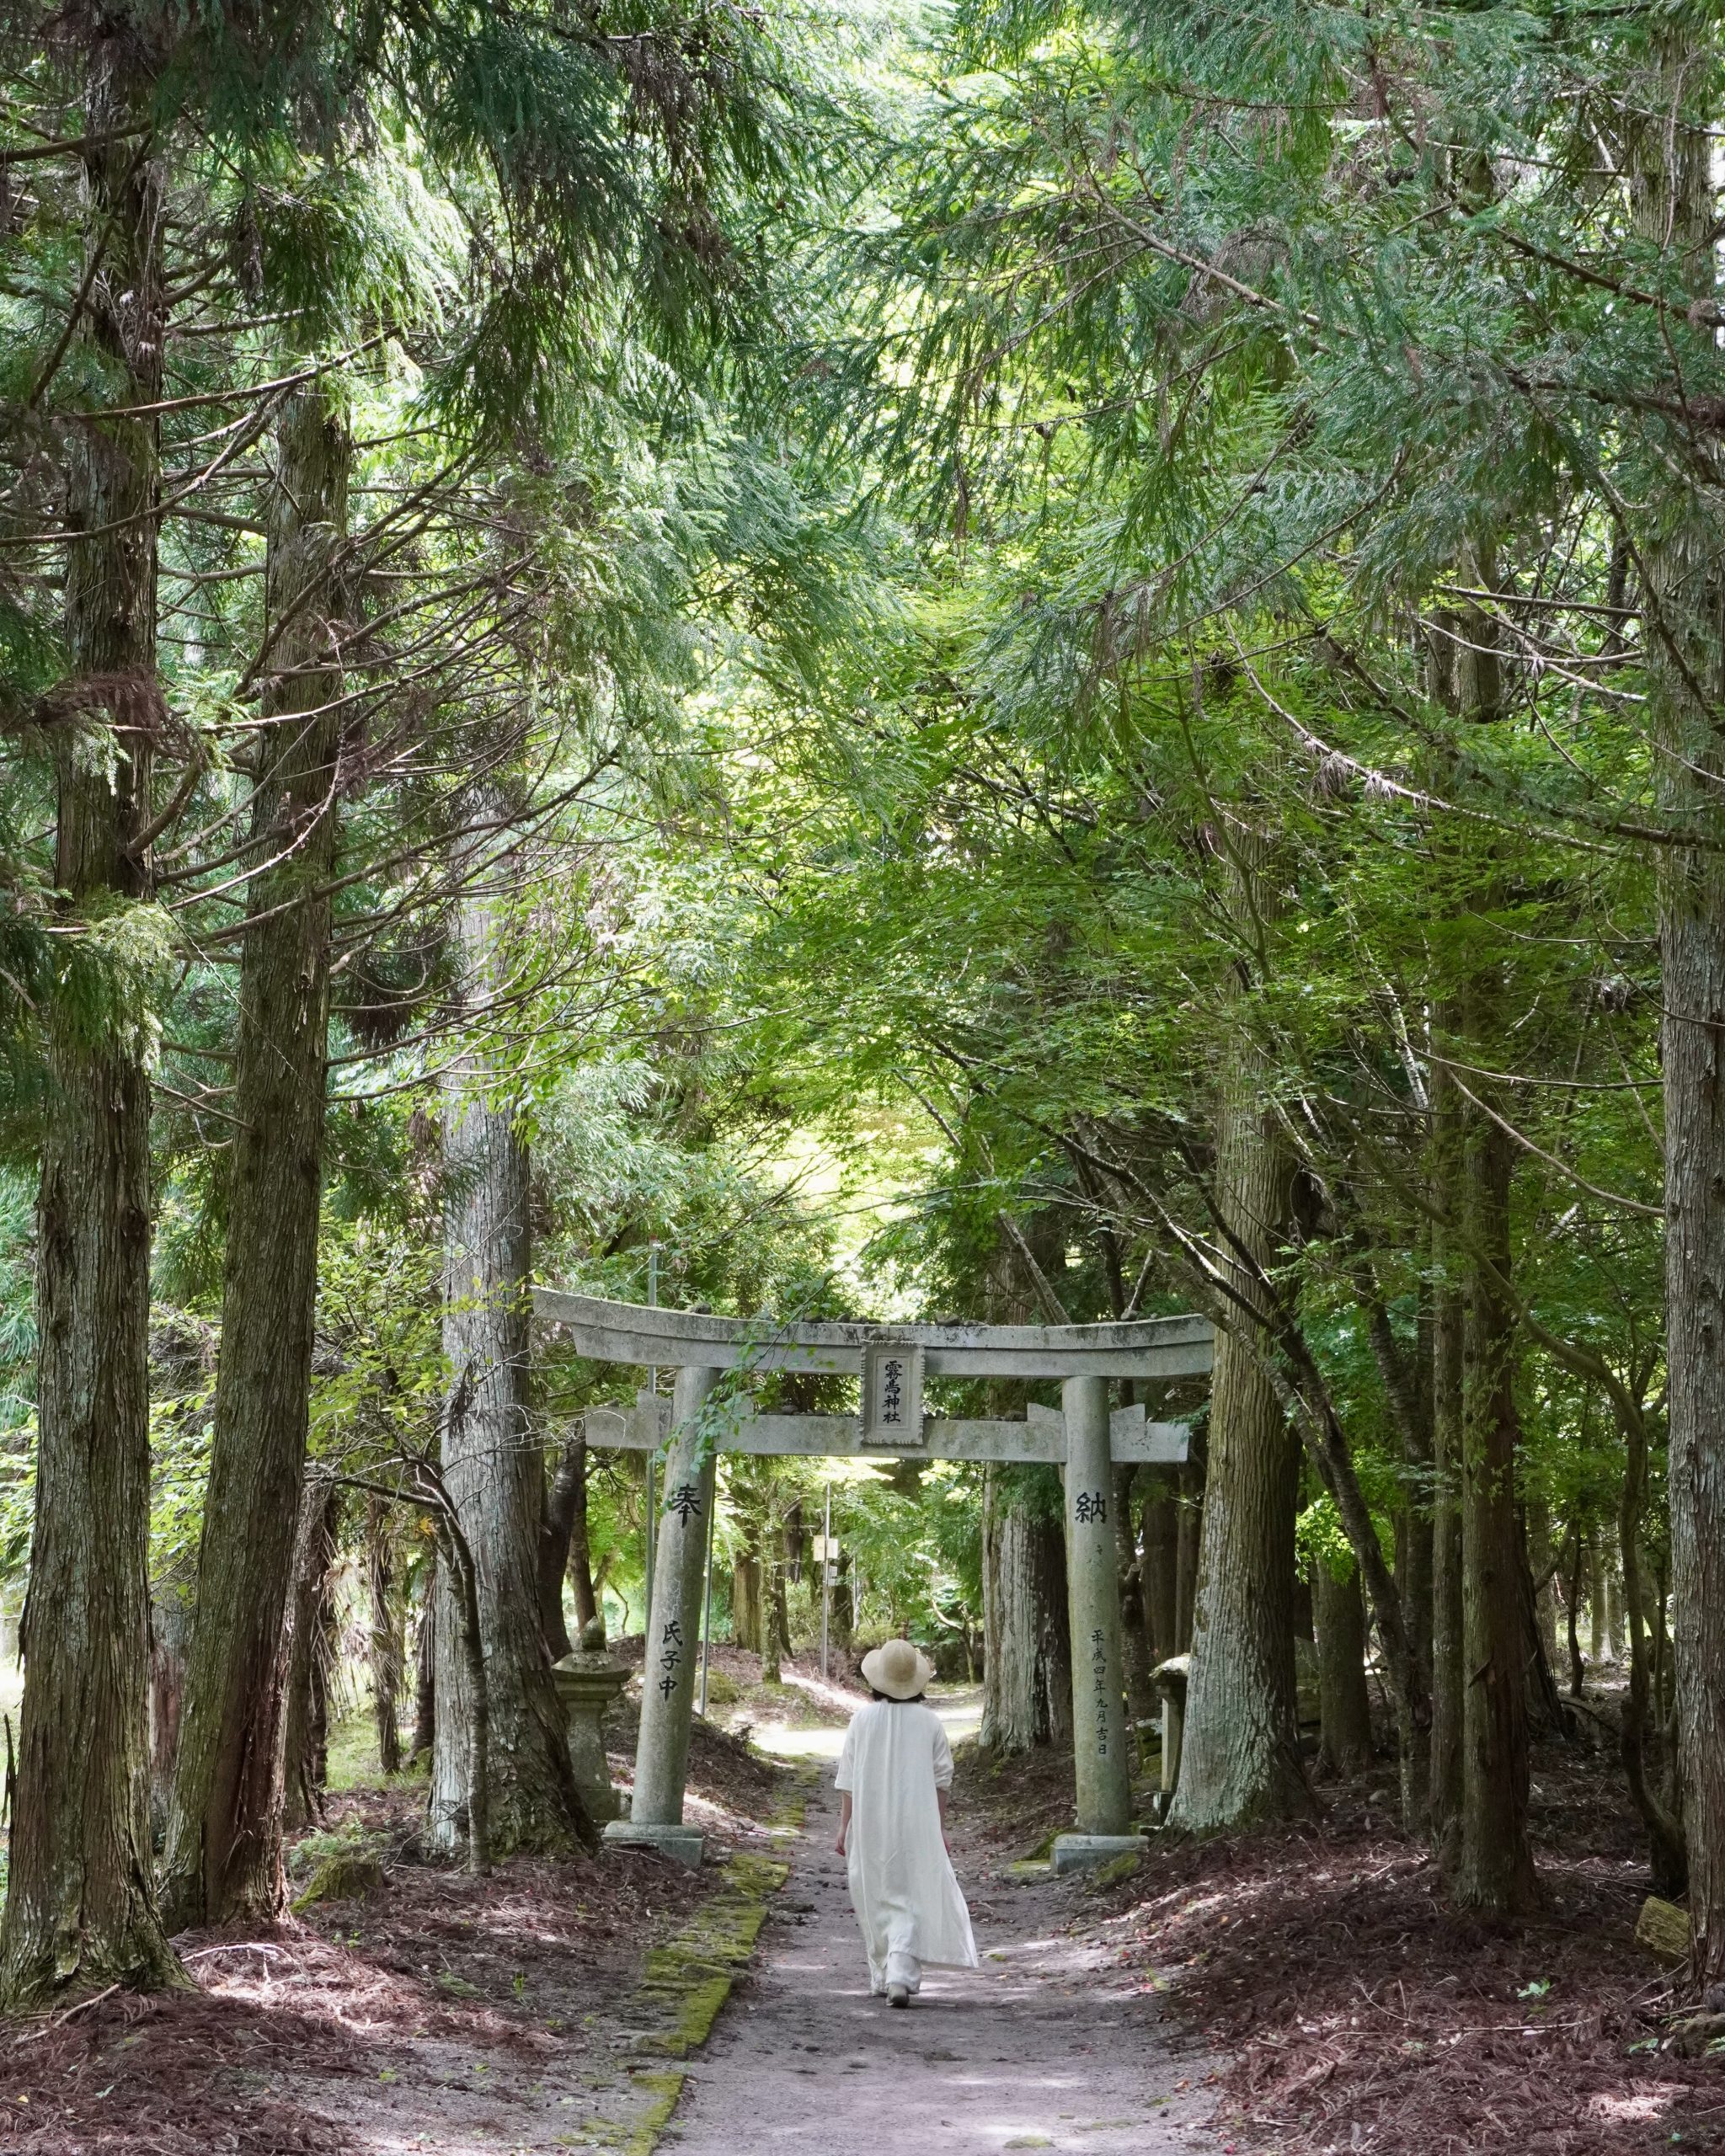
<point>907,1900</point>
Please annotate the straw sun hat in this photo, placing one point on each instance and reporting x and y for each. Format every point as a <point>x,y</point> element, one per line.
<point>897,1669</point>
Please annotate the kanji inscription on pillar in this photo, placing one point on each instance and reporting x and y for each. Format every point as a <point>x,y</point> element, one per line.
<point>670,1654</point>
<point>892,1395</point>
<point>1090,1508</point>
<point>1099,1686</point>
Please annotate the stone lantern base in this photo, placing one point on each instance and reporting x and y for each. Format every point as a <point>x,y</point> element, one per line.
<point>685,1843</point>
<point>587,1682</point>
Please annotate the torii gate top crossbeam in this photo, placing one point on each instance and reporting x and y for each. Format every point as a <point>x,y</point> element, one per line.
<point>632,1332</point>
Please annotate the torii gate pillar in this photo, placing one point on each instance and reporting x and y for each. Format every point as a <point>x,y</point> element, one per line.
<point>672,1646</point>
<point>1101,1761</point>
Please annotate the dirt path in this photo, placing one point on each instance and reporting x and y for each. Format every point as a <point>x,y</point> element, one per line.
<point>1043,2047</point>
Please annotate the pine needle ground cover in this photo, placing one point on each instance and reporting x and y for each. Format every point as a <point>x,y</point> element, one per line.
<point>1352,2008</point>
<point>437,2010</point>
<point>1022,1803</point>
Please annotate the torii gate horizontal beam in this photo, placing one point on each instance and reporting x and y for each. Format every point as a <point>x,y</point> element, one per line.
<point>1133,1440</point>
<point>632,1332</point>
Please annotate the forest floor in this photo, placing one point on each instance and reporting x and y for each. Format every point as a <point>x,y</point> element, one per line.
<point>523,2012</point>
<point>1349,2008</point>
<point>1302,1990</point>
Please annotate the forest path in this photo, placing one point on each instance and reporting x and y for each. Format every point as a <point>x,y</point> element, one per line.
<point>1044,2047</point>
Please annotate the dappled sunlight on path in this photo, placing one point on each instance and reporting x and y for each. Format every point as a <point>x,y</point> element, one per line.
<point>1045,2047</point>
<point>960,1710</point>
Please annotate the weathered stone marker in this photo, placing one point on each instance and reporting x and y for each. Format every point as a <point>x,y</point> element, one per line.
<point>1101,1761</point>
<point>588,1681</point>
<point>673,1642</point>
<point>1169,1680</point>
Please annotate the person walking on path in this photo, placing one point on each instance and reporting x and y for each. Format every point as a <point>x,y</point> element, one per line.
<point>895,1771</point>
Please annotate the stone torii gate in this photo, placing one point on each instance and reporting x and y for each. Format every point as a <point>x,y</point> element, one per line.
<point>891,1362</point>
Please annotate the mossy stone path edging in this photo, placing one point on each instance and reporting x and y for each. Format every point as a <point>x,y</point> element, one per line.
<point>685,1983</point>
<point>639,2136</point>
<point>687,1980</point>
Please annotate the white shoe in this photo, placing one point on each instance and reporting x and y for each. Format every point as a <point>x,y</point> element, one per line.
<point>898,1994</point>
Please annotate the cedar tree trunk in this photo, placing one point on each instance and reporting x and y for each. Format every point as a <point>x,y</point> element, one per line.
<point>1667,1847</point>
<point>1448,1208</point>
<point>170,1636</point>
<point>425,1664</point>
<point>1240,1758</point>
<point>493,1464</point>
<point>1672,194</point>
<point>1027,1663</point>
<point>1027,1658</point>
<point>1162,1566</point>
<point>1599,1615</point>
<point>778,1621</point>
<point>1541,1559</point>
<point>580,1568</point>
<point>1344,1705</point>
<point>772,1588</point>
<point>745,1601</point>
<point>1572,1601</point>
<point>568,1491</point>
<point>81,1908</point>
<point>566,1553</point>
<point>1189,1530</point>
<point>294,1784</point>
<point>224,1840</point>
<point>1140,1693</point>
<point>1494,1870</point>
<point>383,1642</point>
<point>1407,1383</point>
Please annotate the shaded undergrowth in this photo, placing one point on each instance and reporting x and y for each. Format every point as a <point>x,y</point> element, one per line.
<point>1356,2010</point>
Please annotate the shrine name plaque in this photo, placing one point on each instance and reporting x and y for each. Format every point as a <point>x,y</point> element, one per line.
<point>892,1394</point>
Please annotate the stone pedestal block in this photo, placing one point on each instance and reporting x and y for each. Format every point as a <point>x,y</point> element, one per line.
<point>1081,1852</point>
<point>685,1843</point>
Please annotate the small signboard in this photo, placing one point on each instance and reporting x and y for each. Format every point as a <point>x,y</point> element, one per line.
<point>892,1395</point>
